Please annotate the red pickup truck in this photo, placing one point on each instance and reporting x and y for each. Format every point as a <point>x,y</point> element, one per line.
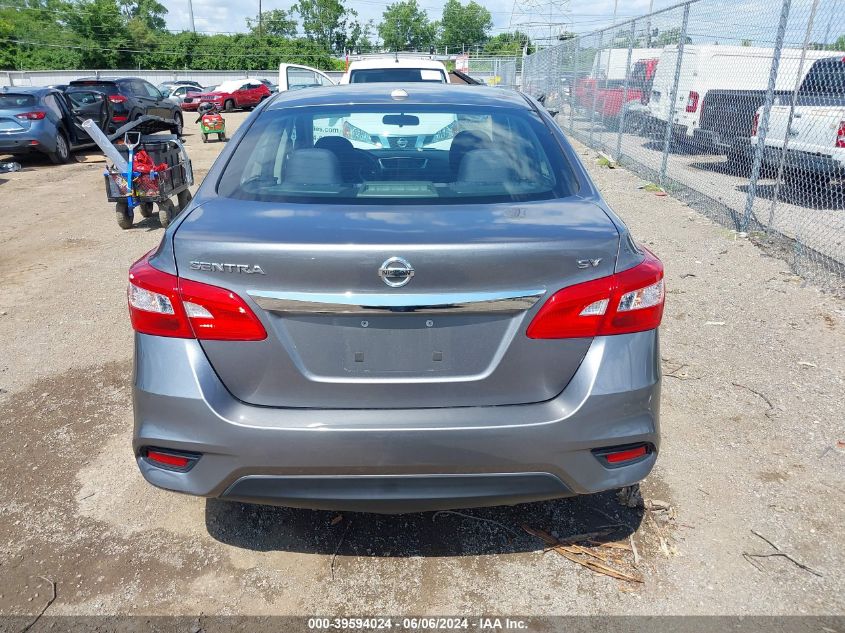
<point>232,94</point>
<point>609,96</point>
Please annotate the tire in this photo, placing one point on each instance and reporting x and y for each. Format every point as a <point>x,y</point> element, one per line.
<point>229,105</point>
<point>204,137</point>
<point>121,212</point>
<point>184,199</point>
<point>222,137</point>
<point>166,212</point>
<point>146,209</point>
<point>180,124</point>
<point>62,153</point>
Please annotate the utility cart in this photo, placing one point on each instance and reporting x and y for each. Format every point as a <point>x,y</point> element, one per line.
<point>164,173</point>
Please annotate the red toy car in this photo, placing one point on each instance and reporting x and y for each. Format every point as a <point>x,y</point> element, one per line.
<point>232,94</point>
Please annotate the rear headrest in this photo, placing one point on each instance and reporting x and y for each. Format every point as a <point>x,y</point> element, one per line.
<point>485,166</point>
<point>464,142</point>
<point>313,167</point>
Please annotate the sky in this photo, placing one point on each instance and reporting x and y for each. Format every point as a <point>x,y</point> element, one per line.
<point>222,16</point>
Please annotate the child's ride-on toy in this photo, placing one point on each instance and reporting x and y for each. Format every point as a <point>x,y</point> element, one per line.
<point>211,122</point>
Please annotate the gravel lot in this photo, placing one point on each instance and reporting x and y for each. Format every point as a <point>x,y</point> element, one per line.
<point>753,407</point>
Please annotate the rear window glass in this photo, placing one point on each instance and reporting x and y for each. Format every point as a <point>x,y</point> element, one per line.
<point>393,154</point>
<point>826,77</point>
<point>100,86</point>
<point>16,101</point>
<point>397,75</point>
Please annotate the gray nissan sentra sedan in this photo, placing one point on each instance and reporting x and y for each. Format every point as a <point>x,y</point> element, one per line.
<point>396,298</point>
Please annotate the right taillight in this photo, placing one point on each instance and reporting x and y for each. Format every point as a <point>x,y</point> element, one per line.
<point>629,301</point>
<point>840,135</point>
<point>755,123</point>
<point>162,304</point>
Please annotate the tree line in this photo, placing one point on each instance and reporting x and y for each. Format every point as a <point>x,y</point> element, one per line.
<point>124,34</point>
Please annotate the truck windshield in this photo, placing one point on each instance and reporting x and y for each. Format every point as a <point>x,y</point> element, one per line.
<point>397,75</point>
<point>397,153</point>
<point>826,77</point>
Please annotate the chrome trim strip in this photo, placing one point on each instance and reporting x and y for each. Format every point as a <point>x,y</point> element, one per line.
<point>351,303</point>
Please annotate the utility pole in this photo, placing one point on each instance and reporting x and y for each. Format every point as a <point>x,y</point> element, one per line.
<point>648,25</point>
<point>260,19</point>
<point>191,13</point>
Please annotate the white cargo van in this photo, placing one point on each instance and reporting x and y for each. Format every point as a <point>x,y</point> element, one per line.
<point>706,68</point>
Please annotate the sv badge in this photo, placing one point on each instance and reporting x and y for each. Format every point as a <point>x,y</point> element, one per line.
<point>588,263</point>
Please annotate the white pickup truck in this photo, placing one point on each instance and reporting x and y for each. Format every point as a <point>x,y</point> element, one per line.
<point>815,137</point>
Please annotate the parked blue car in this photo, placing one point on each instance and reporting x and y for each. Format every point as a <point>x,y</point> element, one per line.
<point>49,121</point>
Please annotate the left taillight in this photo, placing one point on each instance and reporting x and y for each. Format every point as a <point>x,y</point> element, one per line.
<point>626,302</point>
<point>840,135</point>
<point>692,101</point>
<point>755,124</point>
<point>162,304</point>
<point>36,115</point>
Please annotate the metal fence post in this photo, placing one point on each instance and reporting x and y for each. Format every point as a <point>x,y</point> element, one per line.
<point>764,121</point>
<point>792,102</point>
<point>673,97</point>
<point>573,73</point>
<point>618,154</point>
<point>596,65</point>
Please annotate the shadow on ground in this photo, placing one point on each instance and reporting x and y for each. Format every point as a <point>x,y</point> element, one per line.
<point>810,195</point>
<point>480,531</point>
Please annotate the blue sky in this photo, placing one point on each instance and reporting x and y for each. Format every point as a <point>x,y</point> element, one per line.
<point>220,15</point>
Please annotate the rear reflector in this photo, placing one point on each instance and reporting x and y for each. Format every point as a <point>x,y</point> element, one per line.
<point>621,455</point>
<point>162,304</point>
<point>626,456</point>
<point>170,459</point>
<point>117,118</point>
<point>629,301</point>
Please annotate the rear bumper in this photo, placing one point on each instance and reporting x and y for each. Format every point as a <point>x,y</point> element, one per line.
<point>397,460</point>
<point>793,160</point>
<point>23,143</point>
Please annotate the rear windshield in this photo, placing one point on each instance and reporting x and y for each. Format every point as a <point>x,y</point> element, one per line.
<point>826,77</point>
<point>106,87</point>
<point>394,154</point>
<point>397,75</point>
<point>16,101</point>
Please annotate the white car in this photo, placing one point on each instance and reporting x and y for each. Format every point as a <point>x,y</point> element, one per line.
<point>395,70</point>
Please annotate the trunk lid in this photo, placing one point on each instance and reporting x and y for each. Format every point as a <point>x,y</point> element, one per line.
<point>340,337</point>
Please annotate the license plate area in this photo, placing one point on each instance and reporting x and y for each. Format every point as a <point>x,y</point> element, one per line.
<point>396,345</point>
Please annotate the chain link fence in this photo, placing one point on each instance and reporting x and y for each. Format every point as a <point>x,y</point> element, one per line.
<point>737,108</point>
<point>494,71</point>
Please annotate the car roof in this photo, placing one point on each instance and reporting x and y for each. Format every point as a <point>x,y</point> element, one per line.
<point>418,93</point>
<point>37,91</point>
<point>396,62</point>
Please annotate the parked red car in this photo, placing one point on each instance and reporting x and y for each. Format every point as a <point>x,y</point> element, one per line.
<point>232,94</point>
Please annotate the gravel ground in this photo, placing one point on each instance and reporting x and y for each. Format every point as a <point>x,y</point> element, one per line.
<point>752,412</point>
